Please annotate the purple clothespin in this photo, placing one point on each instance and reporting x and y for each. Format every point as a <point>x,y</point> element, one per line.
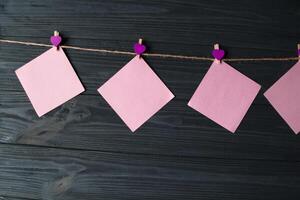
<point>218,53</point>
<point>139,48</point>
<point>55,39</point>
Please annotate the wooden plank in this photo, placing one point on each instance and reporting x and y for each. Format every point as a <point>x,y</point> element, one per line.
<point>82,150</point>
<point>13,198</point>
<point>87,122</point>
<point>185,26</point>
<point>49,173</point>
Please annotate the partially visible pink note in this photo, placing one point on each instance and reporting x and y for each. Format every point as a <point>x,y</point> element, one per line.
<point>224,95</point>
<point>49,80</point>
<point>135,93</point>
<point>284,96</point>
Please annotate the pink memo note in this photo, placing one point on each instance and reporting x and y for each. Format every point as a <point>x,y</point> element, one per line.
<point>284,96</point>
<point>224,95</point>
<point>49,80</point>
<point>136,93</point>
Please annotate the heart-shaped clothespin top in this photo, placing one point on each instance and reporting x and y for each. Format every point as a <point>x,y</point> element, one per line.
<point>55,39</point>
<point>218,54</point>
<point>139,48</point>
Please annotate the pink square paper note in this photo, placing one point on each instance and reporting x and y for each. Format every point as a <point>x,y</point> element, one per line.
<point>136,93</point>
<point>224,95</point>
<point>284,96</point>
<point>49,80</point>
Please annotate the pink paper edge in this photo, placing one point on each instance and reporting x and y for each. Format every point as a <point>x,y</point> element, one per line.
<point>134,129</point>
<point>282,117</point>
<point>266,95</point>
<point>234,129</point>
<point>41,114</point>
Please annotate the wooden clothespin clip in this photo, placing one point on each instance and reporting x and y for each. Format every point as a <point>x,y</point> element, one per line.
<point>55,39</point>
<point>218,53</point>
<point>140,43</point>
<point>217,47</point>
<point>56,33</point>
<point>139,48</point>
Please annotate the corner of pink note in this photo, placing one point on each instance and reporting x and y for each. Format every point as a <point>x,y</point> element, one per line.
<point>224,95</point>
<point>49,80</point>
<point>135,93</point>
<point>284,96</point>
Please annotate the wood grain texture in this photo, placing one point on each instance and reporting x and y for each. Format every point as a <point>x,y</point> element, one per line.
<point>82,150</point>
<point>50,173</point>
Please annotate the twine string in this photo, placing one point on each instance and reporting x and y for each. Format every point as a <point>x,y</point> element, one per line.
<point>159,55</point>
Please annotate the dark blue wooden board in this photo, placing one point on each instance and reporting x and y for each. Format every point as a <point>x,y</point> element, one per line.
<point>82,150</point>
